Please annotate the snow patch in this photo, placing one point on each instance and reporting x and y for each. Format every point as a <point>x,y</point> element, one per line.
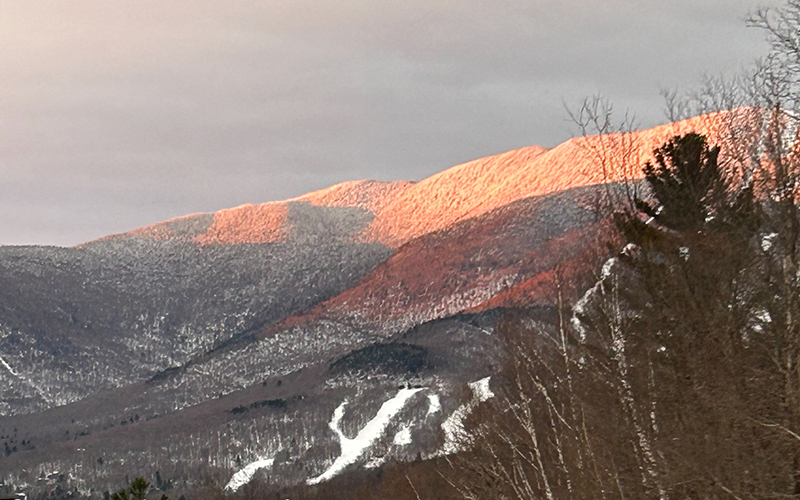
<point>580,309</point>
<point>608,267</point>
<point>8,367</point>
<point>434,405</point>
<point>352,449</point>
<point>245,475</point>
<point>767,241</point>
<point>374,463</point>
<point>480,390</point>
<point>763,316</point>
<point>403,436</point>
<point>454,433</point>
<point>757,321</point>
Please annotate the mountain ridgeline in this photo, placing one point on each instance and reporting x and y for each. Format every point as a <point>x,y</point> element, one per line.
<point>298,339</point>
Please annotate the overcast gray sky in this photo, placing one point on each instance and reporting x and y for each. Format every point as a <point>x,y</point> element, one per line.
<point>117,114</point>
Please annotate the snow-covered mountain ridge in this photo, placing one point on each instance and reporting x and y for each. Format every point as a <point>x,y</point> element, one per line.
<point>400,211</point>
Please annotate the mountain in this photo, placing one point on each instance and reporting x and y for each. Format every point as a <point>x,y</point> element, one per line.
<point>283,335</point>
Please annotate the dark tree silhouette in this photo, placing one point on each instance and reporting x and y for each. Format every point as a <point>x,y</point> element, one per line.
<point>686,181</point>
<point>137,490</point>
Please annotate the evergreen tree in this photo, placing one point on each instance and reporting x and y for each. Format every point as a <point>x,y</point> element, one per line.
<point>691,192</point>
<point>137,490</point>
<point>686,181</point>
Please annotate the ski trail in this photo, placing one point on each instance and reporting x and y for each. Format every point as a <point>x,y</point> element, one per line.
<point>246,474</point>
<point>8,367</point>
<point>27,381</point>
<point>454,433</point>
<point>352,449</point>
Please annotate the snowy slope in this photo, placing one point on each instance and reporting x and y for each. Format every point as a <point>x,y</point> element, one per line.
<point>353,449</point>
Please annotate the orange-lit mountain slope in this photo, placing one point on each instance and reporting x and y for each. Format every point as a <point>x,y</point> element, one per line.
<point>482,185</point>
<point>400,211</point>
<point>503,258</point>
<point>268,222</point>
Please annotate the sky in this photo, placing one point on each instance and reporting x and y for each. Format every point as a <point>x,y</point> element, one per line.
<point>116,115</point>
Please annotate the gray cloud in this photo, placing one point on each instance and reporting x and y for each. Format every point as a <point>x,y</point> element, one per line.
<point>118,114</point>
